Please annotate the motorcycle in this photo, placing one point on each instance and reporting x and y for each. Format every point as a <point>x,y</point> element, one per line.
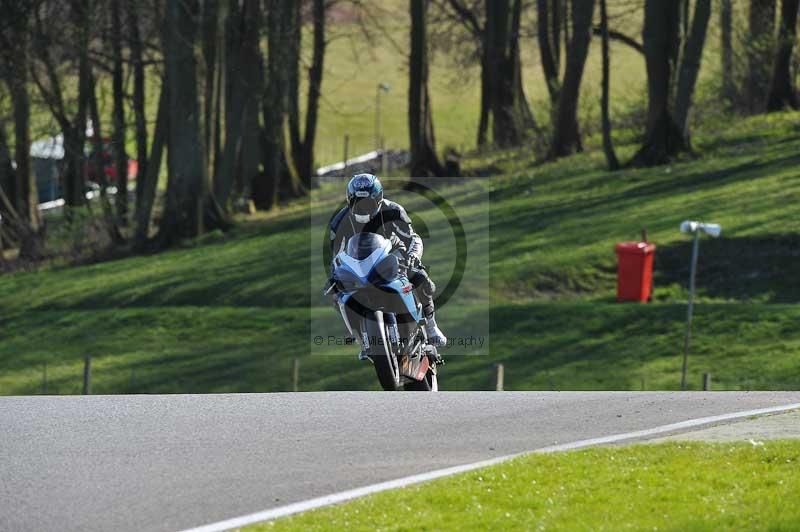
<point>377,303</point>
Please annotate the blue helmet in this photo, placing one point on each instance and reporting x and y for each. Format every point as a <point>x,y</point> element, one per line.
<point>364,197</point>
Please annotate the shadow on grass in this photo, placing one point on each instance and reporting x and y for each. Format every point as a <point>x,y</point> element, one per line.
<point>762,267</point>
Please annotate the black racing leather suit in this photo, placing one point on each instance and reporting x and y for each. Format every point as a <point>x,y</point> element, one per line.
<point>391,219</point>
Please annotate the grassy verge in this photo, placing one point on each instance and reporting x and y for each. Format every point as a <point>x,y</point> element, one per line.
<point>228,312</point>
<point>676,486</point>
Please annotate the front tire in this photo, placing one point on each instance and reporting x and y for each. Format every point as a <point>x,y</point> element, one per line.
<point>381,355</point>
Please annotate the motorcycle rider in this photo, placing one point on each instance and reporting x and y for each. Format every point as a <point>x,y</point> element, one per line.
<point>368,211</point>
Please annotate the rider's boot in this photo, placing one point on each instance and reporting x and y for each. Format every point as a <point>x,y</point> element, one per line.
<point>425,293</point>
<point>363,354</point>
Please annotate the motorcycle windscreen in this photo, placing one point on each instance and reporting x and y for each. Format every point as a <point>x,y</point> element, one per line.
<point>385,271</point>
<point>362,245</point>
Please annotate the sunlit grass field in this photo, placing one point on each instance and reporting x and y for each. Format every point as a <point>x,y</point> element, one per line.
<point>230,312</point>
<point>675,486</point>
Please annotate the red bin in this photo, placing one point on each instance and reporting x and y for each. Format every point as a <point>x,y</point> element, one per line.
<point>634,271</point>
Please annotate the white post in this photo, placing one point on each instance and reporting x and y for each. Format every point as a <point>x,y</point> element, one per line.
<point>499,377</point>
<point>687,338</point>
<point>296,375</point>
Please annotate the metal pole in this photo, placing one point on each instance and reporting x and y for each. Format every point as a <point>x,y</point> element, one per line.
<point>44,377</point>
<point>377,115</point>
<point>690,310</point>
<point>706,382</point>
<point>87,376</point>
<point>296,375</point>
<point>383,156</point>
<point>346,145</point>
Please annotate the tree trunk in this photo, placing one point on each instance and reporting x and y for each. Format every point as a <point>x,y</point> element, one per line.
<point>760,53</point>
<point>303,152</point>
<point>522,112</point>
<point>97,140</point>
<point>782,93</point>
<point>267,187</point>
<point>293,76</point>
<point>140,117</point>
<point>566,136</point>
<point>726,48</point>
<point>26,197</point>
<point>252,76</point>
<point>549,49</point>
<point>608,145</point>
<point>690,66</point>
<point>506,130</point>
<point>75,134</point>
<point>209,32</point>
<point>661,33</point>
<point>511,115</point>
<point>486,97</point>
<point>226,168</point>
<point>183,213</point>
<point>150,180</point>
<point>9,221</point>
<point>424,161</point>
<point>120,155</point>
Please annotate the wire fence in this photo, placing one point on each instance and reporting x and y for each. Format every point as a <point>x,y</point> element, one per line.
<point>101,375</point>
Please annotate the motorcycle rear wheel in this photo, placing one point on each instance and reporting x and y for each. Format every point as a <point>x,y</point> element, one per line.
<point>428,384</point>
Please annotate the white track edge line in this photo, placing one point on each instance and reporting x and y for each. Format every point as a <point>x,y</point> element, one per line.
<point>342,496</point>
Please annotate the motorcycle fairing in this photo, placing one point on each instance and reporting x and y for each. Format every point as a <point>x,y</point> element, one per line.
<point>350,267</point>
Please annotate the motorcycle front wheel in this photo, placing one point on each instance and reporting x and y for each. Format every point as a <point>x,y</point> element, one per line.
<point>380,352</point>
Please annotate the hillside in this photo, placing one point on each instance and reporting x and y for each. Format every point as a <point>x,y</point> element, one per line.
<point>230,312</point>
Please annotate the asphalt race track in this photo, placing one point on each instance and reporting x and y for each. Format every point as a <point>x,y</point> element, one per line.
<point>166,463</point>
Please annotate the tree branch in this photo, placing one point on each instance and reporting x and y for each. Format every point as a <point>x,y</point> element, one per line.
<point>621,37</point>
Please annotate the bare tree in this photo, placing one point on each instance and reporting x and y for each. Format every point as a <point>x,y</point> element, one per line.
<point>469,14</point>
<point>566,134</point>
<point>149,179</point>
<point>760,53</point>
<point>303,144</point>
<point>608,145</point>
<point>19,184</point>
<point>690,65</point>
<point>267,187</point>
<point>424,160</point>
<point>251,82</point>
<point>511,115</point>
<point>782,92</point>
<point>97,140</point>
<point>549,38</point>
<point>48,41</point>
<point>138,102</point>
<point>186,189</point>
<point>209,31</point>
<point>661,36</point>
<point>726,49</point>
<point>237,166</point>
<point>118,138</point>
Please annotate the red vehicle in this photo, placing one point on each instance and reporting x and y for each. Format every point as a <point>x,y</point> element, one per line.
<point>106,159</point>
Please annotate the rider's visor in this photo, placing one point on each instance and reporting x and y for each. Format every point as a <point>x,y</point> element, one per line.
<point>364,206</point>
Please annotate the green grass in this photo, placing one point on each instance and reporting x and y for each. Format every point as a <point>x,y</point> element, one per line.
<point>229,312</point>
<point>675,487</point>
